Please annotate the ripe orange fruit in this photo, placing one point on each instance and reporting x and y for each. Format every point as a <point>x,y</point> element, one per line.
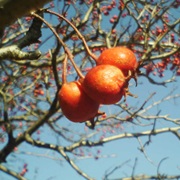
<point>119,56</point>
<point>75,104</point>
<point>104,84</point>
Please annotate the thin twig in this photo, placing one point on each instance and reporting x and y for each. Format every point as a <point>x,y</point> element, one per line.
<point>11,173</point>
<point>64,73</point>
<point>77,31</point>
<point>66,49</point>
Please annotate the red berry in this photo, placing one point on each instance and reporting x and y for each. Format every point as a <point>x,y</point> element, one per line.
<point>76,105</point>
<point>121,57</point>
<point>104,84</point>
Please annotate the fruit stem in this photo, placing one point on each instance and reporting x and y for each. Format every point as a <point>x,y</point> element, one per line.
<point>67,51</point>
<point>78,71</point>
<point>93,56</point>
<point>64,70</point>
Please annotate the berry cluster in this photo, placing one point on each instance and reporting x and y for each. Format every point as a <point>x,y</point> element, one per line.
<point>106,83</point>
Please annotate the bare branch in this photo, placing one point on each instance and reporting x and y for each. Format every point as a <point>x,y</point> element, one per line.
<point>122,136</point>
<point>74,166</point>
<point>145,177</point>
<point>13,52</point>
<point>11,173</point>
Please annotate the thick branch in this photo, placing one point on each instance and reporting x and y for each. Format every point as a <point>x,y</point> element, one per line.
<point>81,143</point>
<point>10,146</point>
<point>13,52</point>
<point>32,36</point>
<point>11,10</point>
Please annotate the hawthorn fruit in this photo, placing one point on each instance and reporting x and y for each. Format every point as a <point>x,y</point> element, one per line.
<point>75,104</point>
<point>119,56</point>
<point>105,84</point>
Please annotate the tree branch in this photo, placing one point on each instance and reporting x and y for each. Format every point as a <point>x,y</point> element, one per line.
<point>14,52</point>
<point>11,10</point>
<point>32,36</point>
<point>12,173</point>
<point>122,136</point>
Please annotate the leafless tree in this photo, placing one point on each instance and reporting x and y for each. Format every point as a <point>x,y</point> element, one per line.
<point>34,43</point>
